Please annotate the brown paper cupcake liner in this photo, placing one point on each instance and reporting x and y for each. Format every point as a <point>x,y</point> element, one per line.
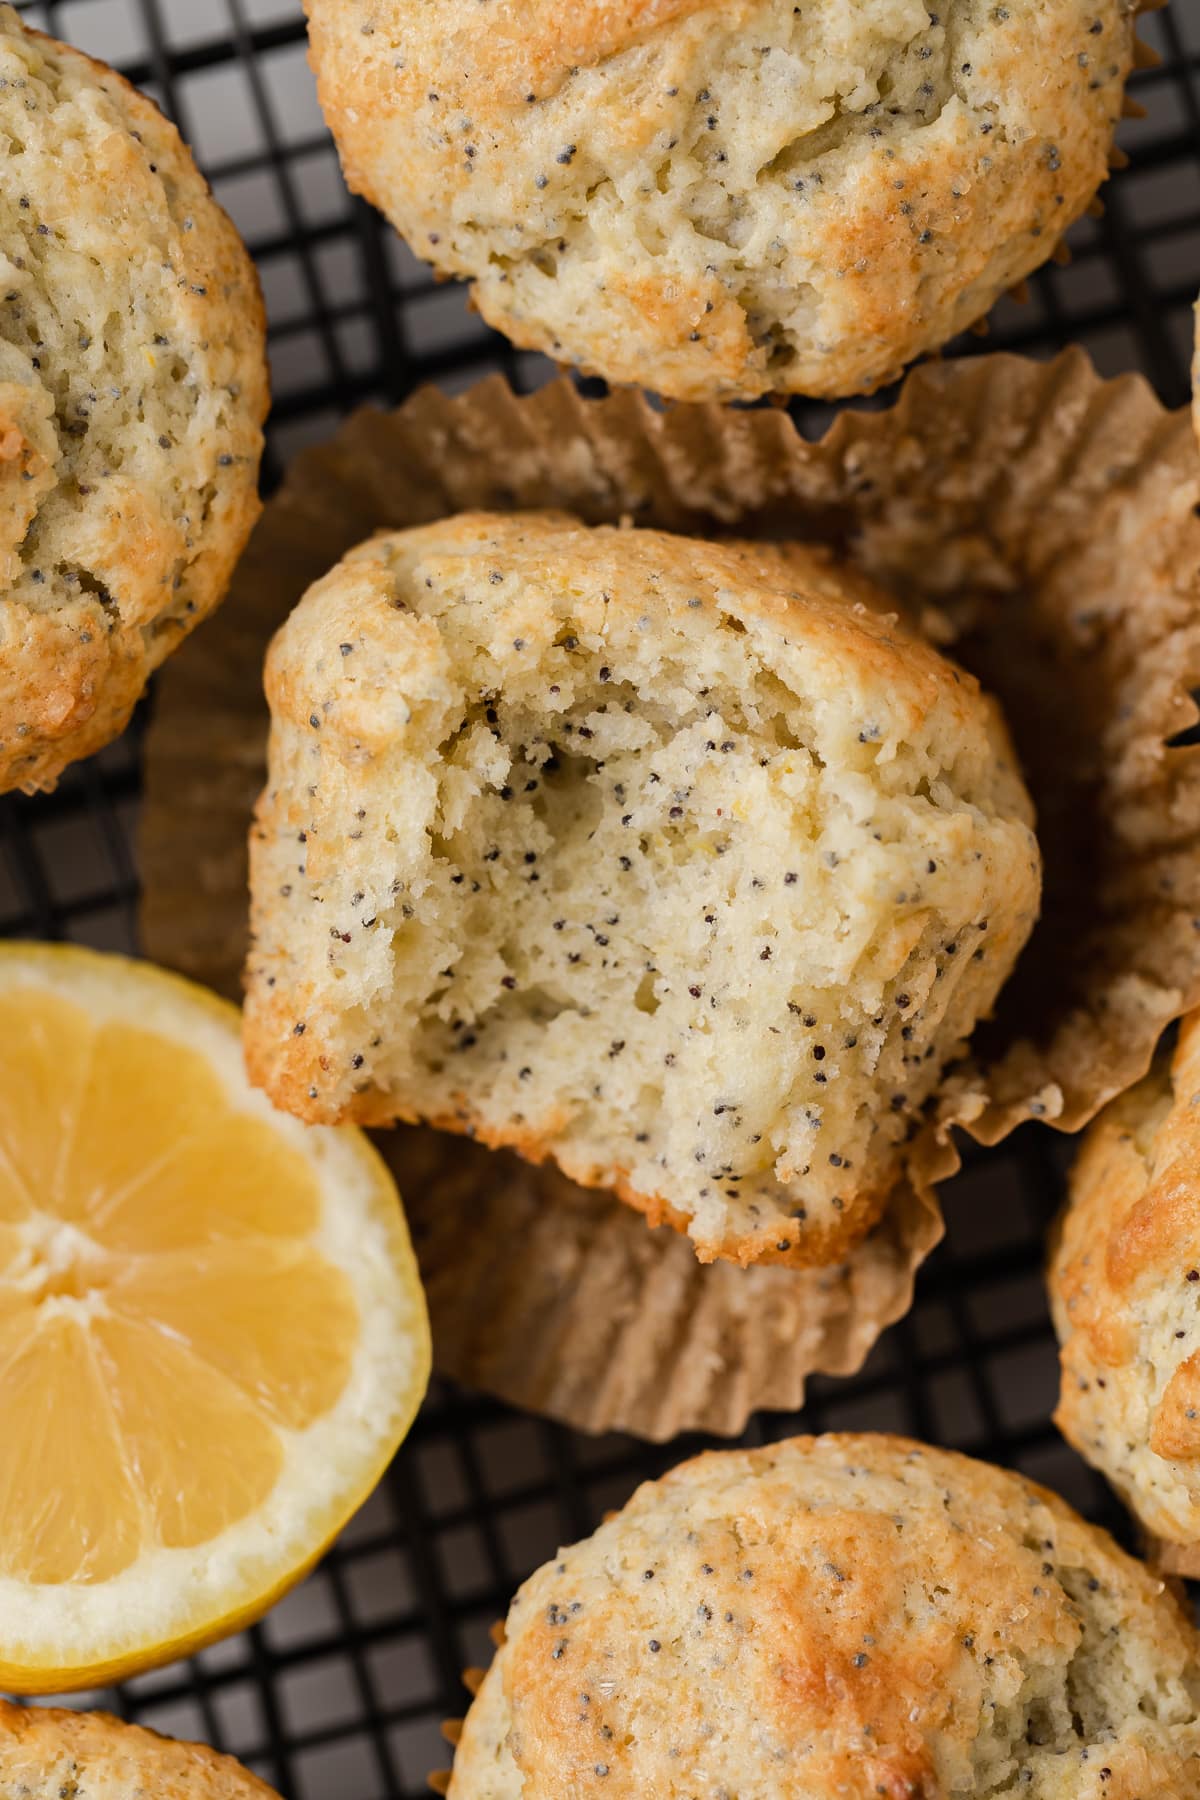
<point>561,1299</point>
<point>1174,1561</point>
<point>1040,520</point>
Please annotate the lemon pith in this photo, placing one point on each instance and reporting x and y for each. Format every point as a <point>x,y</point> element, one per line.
<point>212,1336</point>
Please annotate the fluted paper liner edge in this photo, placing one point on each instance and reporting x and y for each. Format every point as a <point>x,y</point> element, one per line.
<point>1042,519</point>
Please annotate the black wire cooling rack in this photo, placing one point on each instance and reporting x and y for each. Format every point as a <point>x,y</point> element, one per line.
<point>338,1694</point>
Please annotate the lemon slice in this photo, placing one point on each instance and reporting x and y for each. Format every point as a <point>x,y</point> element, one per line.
<point>212,1331</point>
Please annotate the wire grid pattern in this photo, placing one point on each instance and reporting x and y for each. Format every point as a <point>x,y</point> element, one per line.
<point>338,1694</point>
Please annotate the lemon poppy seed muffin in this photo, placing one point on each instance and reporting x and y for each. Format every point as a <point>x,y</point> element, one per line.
<point>726,198</point>
<point>681,863</point>
<point>1125,1291</point>
<point>132,393</point>
<point>839,1618</point>
<point>48,1754</point>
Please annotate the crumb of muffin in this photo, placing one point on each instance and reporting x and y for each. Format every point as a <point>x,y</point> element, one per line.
<point>681,863</point>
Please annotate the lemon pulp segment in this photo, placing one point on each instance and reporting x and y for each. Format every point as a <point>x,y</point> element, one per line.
<point>164,1318</point>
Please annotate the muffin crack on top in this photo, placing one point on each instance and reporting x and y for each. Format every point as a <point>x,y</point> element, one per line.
<point>680,862</point>
<point>695,169</point>
<point>132,394</point>
<point>719,201</point>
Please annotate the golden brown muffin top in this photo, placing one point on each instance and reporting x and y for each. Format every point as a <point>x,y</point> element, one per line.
<point>47,1754</point>
<point>848,1615</point>
<point>132,393</point>
<point>1125,1287</point>
<point>724,199</point>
